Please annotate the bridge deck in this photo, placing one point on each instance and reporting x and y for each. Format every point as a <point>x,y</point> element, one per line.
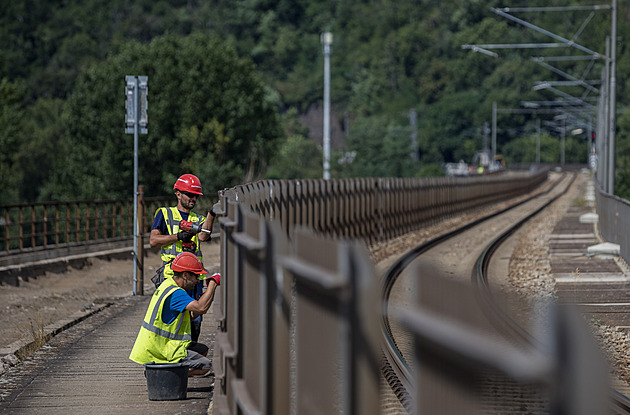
<point>86,370</point>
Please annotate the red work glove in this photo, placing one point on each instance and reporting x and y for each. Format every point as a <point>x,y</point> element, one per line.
<point>216,277</point>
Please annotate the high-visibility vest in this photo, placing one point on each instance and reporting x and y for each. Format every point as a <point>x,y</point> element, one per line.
<point>169,252</point>
<point>157,341</point>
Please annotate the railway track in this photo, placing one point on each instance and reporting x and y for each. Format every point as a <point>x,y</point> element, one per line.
<point>398,284</point>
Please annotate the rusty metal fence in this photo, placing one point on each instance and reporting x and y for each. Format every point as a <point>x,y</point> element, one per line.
<point>48,228</point>
<point>299,333</point>
<point>298,307</point>
<point>464,364</point>
<point>294,334</point>
<point>374,209</point>
<point>371,209</point>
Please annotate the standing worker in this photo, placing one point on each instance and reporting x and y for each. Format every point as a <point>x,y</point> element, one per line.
<point>167,234</point>
<point>165,334</point>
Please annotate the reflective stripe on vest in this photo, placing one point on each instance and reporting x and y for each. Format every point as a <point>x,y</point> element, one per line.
<point>150,325</point>
<point>172,217</point>
<point>157,341</point>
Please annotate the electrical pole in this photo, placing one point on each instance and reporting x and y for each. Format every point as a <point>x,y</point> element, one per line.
<point>326,39</point>
<point>564,132</point>
<point>413,124</point>
<point>570,103</point>
<point>484,144</point>
<point>537,142</point>
<point>612,105</point>
<point>494,129</point>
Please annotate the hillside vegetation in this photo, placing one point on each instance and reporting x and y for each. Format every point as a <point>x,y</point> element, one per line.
<point>229,82</point>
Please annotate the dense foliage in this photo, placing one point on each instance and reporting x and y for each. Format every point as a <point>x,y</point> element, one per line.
<point>208,114</point>
<point>228,81</point>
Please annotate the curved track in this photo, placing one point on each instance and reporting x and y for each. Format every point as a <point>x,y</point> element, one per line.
<point>396,367</point>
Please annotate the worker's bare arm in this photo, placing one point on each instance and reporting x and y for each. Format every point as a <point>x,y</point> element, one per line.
<point>207,224</point>
<point>202,305</point>
<point>157,240</point>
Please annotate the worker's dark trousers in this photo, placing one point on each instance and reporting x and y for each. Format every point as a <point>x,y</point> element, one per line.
<point>196,330</point>
<point>194,345</point>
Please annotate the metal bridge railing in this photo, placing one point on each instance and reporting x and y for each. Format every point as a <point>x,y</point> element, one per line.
<point>614,219</point>
<point>374,209</point>
<point>464,364</point>
<point>298,318</point>
<point>296,323</point>
<point>368,209</point>
<point>50,226</point>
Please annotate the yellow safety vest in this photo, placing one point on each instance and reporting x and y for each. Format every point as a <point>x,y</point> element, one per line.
<point>159,342</point>
<point>169,252</point>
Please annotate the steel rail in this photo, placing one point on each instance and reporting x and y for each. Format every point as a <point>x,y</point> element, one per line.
<point>394,367</point>
<point>479,279</point>
<point>479,276</point>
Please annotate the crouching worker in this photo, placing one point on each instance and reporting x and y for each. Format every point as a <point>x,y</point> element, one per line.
<point>165,335</point>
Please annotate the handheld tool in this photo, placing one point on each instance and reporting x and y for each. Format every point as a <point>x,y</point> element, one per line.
<point>192,227</point>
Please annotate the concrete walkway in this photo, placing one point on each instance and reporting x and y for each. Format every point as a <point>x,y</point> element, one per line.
<point>86,370</point>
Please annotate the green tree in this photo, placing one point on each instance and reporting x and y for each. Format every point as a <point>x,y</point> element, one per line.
<point>523,150</point>
<point>387,57</point>
<point>297,158</point>
<point>208,113</point>
<point>11,131</point>
<point>430,170</point>
<point>622,157</point>
<point>381,148</point>
<point>44,127</point>
<point>443,125</point>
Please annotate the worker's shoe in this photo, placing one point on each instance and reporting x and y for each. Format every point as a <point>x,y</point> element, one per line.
<point>200,373</point>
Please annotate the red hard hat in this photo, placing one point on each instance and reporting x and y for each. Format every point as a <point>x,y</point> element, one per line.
<point>188,183</point>
<point>187,261</point>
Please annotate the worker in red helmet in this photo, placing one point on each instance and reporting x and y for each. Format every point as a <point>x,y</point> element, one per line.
<point>172,241</point>
<point>165,335</point>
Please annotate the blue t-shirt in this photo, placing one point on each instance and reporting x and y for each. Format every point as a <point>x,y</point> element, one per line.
<point>175,303</point>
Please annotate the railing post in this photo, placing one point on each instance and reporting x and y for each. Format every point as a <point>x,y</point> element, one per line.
<point>45,227</point>
<point>56,224</point>
<point>87,222</point>
<point>77,223</point>
<point>21,228</point>
<point>6,230</point>
<point>140,243</point>
<point>33,231</point>
<point>335,338</point>
<point>67,240</point>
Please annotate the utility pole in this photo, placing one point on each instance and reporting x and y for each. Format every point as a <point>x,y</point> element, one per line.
<point>604,173</point>
<point>484,143</point>
<point>326,39</point>
<point>413,124</point>
<point>494,129</point>
<point>568,102</point>
<point>537,142</point>
<point>611,97</point>
<point>564,133</point>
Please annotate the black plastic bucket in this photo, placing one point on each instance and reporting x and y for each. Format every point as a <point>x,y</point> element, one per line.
<point>166,381</point>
